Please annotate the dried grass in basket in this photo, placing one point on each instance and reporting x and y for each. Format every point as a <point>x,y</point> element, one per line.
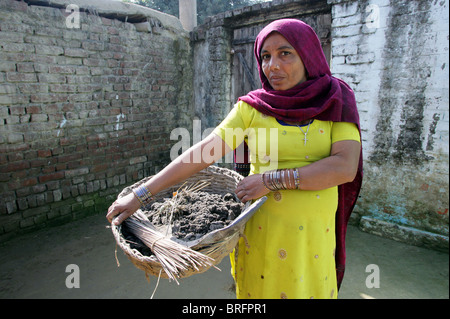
<point>214,245</point>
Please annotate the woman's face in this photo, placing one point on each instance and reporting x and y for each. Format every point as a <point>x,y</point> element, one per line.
<point>281,63</point>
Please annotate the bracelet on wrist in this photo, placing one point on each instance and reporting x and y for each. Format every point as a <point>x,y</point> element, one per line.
<point>281,179</point>
<point>143,195</point>
<point>264,182</point>
<point>296,179</point>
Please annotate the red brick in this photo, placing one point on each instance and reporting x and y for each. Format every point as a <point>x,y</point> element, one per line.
<point>99,168</point>
<point>29,182</point>
<point>106,21</point>
<point>22,6</point>
<point>48,169</point>
<point>4,177</point>
<point>61,166</point>
<point>51,177</point>
<point>69,158</point>
<point>21,77</point>
<point>3,159</point>
<point>44,153</point>
<point>17,110</point>
<point>15,157</point>
<point>74,164</point>
<point>16,166</point>
<point>38,162</point>
<point>64,141</point>
<point>13,184</point>
<point>96,137</point>
<point>33,109</point>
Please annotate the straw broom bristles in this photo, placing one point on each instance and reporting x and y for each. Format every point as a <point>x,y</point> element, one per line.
<point>173,257</point>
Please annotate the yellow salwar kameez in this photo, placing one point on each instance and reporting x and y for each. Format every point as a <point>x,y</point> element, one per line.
<point>289,243</point>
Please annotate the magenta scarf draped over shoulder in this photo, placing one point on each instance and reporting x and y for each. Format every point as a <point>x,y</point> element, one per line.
<point>322,97</point>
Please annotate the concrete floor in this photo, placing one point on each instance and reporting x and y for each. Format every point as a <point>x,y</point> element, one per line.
<point>34,266</point>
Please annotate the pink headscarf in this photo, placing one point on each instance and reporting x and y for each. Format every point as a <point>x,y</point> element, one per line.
<point>321,96</point>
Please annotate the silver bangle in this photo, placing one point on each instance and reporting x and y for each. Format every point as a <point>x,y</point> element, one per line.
<point>263,182</point>
<point>283,179</point>
<point>273,176</point>
<point>275,180</point>
<point>143,195</point>
<point>272,180</point>
<point>288,181</point>
<point>280,186</point>
<point>296,179</point>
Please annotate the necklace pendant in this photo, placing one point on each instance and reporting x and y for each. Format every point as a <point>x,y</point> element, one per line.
<point>305,133</point>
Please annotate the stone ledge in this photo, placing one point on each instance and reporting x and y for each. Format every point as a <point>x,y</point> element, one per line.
<point>128,12</point>
<point>404,234</point>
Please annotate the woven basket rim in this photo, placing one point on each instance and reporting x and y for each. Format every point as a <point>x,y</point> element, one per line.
<point>149,264</point>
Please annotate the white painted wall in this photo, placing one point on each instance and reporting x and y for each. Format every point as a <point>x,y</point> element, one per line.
<point>395,55</point>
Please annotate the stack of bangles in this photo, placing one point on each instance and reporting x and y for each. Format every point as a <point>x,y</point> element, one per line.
<point>281,179</point>
<point>143,195</point>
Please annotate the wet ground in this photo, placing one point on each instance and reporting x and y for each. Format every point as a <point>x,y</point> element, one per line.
<point>34,266</point>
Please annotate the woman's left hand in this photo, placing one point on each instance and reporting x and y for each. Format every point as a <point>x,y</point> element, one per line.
<point>251,187</point>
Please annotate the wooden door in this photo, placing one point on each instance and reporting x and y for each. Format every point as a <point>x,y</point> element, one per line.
<point>244,70</point>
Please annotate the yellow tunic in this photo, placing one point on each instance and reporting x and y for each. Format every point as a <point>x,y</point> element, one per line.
<point>290,241</point>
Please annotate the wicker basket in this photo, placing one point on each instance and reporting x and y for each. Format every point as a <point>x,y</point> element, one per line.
<point>216,244</point>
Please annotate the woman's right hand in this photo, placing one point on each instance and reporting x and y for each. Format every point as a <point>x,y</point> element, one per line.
<point>251,187</point>
<point>122,208</point>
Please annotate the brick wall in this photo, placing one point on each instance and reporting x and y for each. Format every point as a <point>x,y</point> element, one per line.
<point>84,111</point>
<point>394,54</point>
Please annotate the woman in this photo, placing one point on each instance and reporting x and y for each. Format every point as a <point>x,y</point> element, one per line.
<point>289,246</point>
